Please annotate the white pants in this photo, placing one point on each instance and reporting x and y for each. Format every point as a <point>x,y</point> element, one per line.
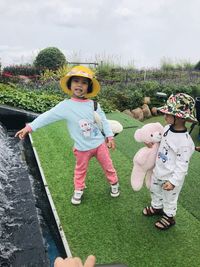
<point>163,199</point>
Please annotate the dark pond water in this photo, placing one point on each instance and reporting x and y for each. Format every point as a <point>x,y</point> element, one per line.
<point>28,233</point>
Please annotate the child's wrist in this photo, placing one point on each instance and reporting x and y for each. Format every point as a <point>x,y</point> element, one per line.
<point>28,128</point>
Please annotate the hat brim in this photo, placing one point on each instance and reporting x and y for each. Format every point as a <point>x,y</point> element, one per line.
<point>95,86</point>
<point>165,110</point>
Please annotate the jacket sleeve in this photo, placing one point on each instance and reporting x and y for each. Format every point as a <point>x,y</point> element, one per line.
<point>184,154</point>
<point>105,125</point>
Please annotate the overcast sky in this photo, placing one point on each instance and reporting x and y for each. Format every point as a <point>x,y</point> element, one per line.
<point>126,32</point>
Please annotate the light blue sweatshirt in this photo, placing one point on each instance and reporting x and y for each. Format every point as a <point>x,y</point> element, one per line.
<point>79,116</point>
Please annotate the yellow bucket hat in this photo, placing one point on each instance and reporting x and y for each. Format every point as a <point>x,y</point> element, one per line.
<point>82,72</point>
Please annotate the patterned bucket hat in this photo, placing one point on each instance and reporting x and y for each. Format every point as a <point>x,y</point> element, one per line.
<point>180,105</point>
<point>80,71</point>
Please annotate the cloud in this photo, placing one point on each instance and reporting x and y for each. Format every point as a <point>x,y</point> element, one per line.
<point>123,13</point>
<point>16,55</point>
<point>143,30</point>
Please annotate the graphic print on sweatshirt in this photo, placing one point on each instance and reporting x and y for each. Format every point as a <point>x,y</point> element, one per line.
<point>164,154</point>
<point>88,129</point>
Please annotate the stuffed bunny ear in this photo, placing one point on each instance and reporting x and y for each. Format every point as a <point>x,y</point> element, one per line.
<point>137,135</point>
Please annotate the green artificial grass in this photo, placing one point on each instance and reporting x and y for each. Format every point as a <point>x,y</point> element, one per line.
<point>114,230</point>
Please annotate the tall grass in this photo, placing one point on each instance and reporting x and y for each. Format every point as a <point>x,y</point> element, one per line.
<point>169,64</point>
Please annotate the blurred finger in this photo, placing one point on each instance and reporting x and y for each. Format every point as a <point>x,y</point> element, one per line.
<point>59,262</point>
<point>21,136</point>
<point>90,261</point>
<point>164,186</point>
<point>78,262</point>
<point>109,145</point>
<point>17,133</point>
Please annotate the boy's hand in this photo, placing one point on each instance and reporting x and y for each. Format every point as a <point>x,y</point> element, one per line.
<point>197,148</point>
<point>168,186</point>
<point>110,143</point>
<point>22,133</point>
<point>149,145</point>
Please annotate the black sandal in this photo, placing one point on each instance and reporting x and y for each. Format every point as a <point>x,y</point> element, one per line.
<point>150,211</point>
<point>165,222</point>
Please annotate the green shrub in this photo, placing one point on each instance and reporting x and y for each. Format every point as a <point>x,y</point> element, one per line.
<point>167,64</point>
<point>148,88</point>
<point>195,88</point>
<point>197,66</point>
<point>50,75</point>
<point>51,87</point>
<point>6,79</point>
<point>114,95</point>
<point>50,58</point>
<point>107,105</point>
<point>121,96</point>
<point>26,70</point>
<point>37,102</point>
<point>176,88</point>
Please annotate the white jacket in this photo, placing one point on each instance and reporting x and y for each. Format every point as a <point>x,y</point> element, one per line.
<point>173,155</point>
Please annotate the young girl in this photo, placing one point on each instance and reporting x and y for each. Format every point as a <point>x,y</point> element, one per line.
<point>172,161</point>
<point>89,142</point>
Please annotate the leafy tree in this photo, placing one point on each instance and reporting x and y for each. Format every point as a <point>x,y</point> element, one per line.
<point>50,58</point>
<point>197,66</point>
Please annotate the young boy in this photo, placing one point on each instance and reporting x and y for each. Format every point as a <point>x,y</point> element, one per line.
<point>172,160</point>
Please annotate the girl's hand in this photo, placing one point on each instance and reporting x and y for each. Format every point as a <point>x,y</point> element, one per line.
<point>22,133</point>
<point>75,262</point>
<point>110,143</point>
<point>168,186</point>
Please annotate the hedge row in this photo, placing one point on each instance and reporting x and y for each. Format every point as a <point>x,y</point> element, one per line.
<point>111,97</point>
<point>29,100</point>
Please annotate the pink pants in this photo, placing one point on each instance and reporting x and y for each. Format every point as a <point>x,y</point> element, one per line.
<point>82,159</point>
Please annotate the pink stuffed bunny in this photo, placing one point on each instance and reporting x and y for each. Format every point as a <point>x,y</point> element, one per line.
<point>144,159</point>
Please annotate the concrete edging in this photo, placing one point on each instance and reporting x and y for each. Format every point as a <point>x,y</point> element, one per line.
<point>60,229</point>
